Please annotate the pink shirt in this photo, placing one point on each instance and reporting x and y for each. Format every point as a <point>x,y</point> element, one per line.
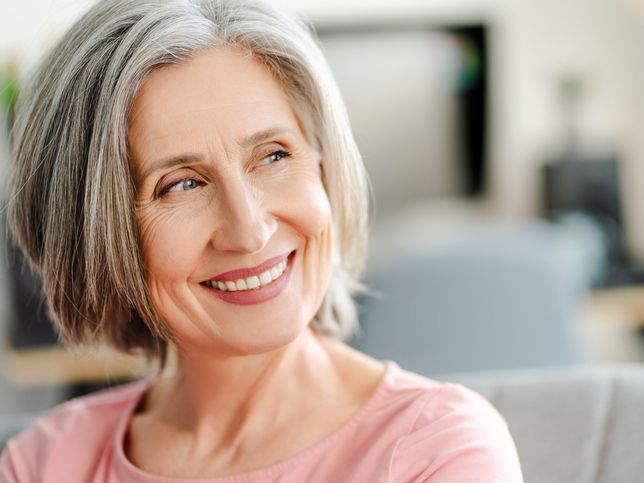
<point>412,429</point>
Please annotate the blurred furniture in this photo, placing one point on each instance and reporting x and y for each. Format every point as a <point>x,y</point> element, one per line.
<point>590,187</point>
<point>37,371</point>
<point>57,365</point>
<point>12,424</point>
<point>34,380</point>
<point>495,297</point>
<point>570,425</point>
<point>626,300</point>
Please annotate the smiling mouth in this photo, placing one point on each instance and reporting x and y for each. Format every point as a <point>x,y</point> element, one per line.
<point>272,273</point>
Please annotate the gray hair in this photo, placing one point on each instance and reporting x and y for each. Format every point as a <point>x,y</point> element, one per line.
<point>70,210</point>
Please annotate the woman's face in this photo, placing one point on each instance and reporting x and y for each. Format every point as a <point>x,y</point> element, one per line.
<point>234,221</point>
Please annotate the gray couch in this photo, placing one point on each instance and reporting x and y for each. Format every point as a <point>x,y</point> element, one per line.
<point>572,425</point>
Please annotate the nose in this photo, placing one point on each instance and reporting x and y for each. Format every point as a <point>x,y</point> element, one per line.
<point>244,223</point>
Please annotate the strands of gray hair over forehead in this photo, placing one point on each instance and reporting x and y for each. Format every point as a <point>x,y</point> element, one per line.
<point>72,208</point>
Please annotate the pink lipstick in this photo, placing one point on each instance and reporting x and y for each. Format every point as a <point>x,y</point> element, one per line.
<point>253,285</point>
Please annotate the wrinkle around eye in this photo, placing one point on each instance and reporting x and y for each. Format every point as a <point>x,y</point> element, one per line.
<point>153,216</point>
<point>154,186</point>
<point>183,203</point>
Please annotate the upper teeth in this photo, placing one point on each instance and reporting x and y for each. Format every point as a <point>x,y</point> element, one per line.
<point>250,283</point>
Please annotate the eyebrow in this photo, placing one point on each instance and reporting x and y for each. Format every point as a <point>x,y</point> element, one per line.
<point>261,136</point>
<point>189,158</point>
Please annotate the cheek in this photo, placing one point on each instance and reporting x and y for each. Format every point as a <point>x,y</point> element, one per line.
<point>167,238</point>
<point>310,209</point>
<point>313,221</point>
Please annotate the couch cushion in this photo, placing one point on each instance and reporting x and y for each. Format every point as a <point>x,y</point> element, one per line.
<point>573,425</point>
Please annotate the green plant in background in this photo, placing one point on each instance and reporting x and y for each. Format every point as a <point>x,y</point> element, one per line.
<point>470,70</point>
<point>9,90</point>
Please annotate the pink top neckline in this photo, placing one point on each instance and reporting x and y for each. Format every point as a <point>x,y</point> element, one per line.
<point>133,471</point>
<point>410,429</point>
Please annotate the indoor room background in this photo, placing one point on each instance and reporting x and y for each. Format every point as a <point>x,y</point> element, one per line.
<point>503,139</point>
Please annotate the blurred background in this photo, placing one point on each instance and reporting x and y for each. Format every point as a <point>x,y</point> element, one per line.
<point>504,143</point>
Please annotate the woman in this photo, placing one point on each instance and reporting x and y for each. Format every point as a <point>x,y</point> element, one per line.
<point>185,177</point>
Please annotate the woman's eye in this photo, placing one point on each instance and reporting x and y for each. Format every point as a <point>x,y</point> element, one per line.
<point>274,157</point>
<point>183,185</point>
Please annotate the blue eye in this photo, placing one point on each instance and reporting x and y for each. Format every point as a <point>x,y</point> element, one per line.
<point>275,157</point>
<point>187,184</point>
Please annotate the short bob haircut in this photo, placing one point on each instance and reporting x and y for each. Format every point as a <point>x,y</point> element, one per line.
<point>70,210</point>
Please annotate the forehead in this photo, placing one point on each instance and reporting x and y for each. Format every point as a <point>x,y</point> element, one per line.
<point>219,96</point>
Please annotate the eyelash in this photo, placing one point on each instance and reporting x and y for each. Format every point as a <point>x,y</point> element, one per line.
<point>281,153</point>
<point>170,187</point>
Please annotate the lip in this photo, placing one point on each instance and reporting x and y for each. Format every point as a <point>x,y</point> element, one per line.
<point>259,295</point>
<point>236,274</point>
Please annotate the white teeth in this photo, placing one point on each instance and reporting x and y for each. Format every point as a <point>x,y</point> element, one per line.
<point>253,282</point>
<point>265,278</point>
<point>231,286</point>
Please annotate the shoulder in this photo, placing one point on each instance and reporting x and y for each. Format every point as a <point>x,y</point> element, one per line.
<point>426,400</point>
<point>453,435</point>
<point>77,430</point>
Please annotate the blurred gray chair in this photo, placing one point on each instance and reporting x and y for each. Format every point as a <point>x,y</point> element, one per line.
<point>571,425</point>
<point>493,298</point>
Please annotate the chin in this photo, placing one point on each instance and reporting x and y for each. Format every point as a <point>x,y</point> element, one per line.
<point>265,340</point>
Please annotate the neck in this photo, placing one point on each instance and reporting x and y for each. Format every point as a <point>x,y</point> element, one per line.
<point>235,395</point>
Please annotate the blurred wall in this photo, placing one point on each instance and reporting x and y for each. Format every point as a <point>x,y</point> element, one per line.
<point>536,43</point>
<point>401,94</point>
